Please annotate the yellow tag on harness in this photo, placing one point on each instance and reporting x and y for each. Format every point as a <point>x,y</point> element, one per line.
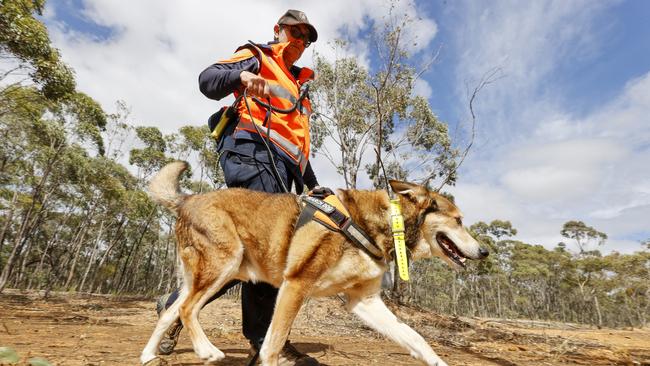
<point>397,225</point>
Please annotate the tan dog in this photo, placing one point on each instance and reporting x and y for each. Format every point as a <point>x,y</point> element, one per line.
<point>248,235</point>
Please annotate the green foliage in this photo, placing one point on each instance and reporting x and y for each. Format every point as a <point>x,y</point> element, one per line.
<point>152,138</point>
<point>71,217</point>
<point>37,361</point>
<point>582,234</point>
<point>8,355</point>
<point>362,110</point>
<point>25,37</point>
<point>90,119</point>
<point>496,229</point>
<point>529,281</point>
<point>152,157</point>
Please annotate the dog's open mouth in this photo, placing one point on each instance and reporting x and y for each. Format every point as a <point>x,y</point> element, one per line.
<point>450,249</point>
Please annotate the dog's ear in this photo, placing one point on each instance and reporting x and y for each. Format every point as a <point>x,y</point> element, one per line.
<point>433,205</point>
<point>413,192</point>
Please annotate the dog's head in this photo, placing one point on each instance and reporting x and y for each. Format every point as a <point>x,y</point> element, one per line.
<point>441,232</point>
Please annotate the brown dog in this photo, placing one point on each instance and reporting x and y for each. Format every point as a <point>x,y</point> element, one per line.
<point>248,235</point>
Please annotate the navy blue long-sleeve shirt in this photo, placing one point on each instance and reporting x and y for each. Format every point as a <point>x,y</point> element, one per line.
<point>220,80</point>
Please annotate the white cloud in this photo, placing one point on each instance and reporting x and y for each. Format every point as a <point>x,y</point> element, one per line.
<point>422,88</point>
<point>527,41</point>
<point>157,49</point>
<point>556,171</point>
<point>483,202</point>
<point>542,162</point>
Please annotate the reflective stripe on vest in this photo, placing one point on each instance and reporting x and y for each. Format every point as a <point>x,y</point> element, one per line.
<point>292,150</point>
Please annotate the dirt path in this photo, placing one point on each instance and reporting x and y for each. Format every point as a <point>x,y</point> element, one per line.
<point>102,330</point>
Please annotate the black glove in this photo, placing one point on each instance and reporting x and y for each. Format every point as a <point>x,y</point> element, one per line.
<point>320,192</point>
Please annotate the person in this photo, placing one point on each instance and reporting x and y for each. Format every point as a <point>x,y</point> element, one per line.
<point>270,163</point>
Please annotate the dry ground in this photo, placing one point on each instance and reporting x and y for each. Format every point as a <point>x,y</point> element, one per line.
<point>71,329</point>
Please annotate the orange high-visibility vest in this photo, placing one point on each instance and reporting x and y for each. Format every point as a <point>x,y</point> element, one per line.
<point>289,132</point>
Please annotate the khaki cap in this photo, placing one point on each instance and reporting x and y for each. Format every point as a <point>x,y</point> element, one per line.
<point>294,17</point>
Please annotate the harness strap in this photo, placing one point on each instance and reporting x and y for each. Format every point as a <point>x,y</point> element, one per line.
<point>306,215</point>
<point>343,224</point>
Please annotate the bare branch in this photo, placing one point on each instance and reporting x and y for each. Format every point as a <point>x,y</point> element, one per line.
<point>488,78</point>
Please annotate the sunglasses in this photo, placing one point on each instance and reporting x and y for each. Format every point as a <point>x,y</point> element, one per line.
<point>296,33</point>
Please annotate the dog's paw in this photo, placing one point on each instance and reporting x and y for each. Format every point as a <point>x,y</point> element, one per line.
<point>211,354</point>
<point>147,357</point>
<point>155,361</point>
<point>269,362</point>
<point>437,362</point>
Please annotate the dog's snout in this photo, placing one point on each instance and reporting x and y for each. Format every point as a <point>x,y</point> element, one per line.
<point>483,252</point>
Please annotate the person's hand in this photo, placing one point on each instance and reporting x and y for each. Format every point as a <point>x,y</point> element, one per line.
<point>321,192</point>
<point>255,84</point>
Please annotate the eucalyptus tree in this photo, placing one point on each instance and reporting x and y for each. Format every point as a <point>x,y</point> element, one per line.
<point>583,235</point>
<point>26,50</point>
<point>43,118</point>
<point>492,271</point>
<point>199,142</point>
<point>360,110</point>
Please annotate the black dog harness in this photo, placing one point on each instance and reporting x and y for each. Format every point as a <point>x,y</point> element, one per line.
<point>330,212</point>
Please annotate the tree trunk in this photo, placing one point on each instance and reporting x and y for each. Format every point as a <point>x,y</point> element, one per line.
<point>499,311</point>
<point>149,265</point>
<point>163,264</point>
<point>29,222</point>
<point>18,243</point>
<point>28,242</point>
<point>8,220</point>
<point>133,250</point>
<point>23,262</point>
<point>113,243</point>
<point>50,243</point>
<point>75,258</point>
<point>600,317</point>
<point>91,261</point>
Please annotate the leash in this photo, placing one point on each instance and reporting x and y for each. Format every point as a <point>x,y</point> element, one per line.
<point>266,141</point>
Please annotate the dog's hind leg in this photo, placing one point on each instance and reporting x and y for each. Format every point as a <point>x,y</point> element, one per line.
<point>166,319</point>
<point>214,266</point>
<point>376,315</point>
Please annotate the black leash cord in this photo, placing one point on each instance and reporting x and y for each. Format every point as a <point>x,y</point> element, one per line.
<point>304,90</point>
<point>266,140</point>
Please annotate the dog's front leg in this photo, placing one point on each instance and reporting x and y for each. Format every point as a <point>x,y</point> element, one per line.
<point>376,315</point>
<point>290,298</point>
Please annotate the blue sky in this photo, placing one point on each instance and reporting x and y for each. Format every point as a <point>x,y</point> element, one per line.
<point>563,134</point>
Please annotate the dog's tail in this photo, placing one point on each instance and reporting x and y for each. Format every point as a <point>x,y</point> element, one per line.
<point>164,187</point>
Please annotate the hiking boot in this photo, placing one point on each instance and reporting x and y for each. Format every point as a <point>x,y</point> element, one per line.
<point>289,356</point>
<point>170,338</point>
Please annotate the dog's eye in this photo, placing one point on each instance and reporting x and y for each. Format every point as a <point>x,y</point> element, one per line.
<point>459,221</point>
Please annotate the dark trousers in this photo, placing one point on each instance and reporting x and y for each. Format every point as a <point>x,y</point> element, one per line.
<point>258,299</point>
